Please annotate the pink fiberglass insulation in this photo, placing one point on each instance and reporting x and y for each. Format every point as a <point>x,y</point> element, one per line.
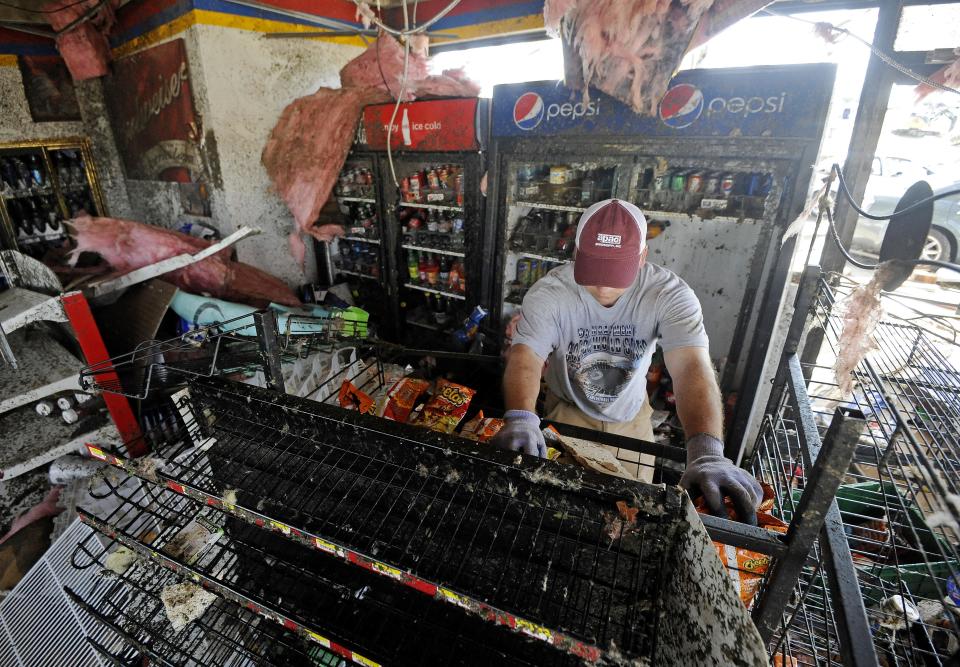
<point>309,144</point>
<point>365,72</point>
<point>126,245</point>
<point>82,30</point>
<point>861,315</point>
<point>307,149</point>
<point>631,49</point>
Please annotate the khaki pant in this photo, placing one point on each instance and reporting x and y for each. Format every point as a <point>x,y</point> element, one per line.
<point>640,465</point>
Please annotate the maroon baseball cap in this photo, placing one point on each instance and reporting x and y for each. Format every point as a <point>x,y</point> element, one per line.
<point>610,238</point>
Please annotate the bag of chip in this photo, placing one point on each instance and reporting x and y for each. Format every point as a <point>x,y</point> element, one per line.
<point>747,568</point>
<point>481,429</point>
<point>446,407</point>
<point>352,398</point>
<point>401,398</point>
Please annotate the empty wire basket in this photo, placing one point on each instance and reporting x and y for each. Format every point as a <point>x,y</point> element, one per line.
<point>391,544</point>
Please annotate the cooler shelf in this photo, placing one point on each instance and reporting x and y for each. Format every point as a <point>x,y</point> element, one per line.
<point>452,295</point>
<point>452,253</point>
<point>438,207</point>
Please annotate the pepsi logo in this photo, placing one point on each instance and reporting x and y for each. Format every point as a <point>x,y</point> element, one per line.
<point>528,111</point>
<point>681,106</point>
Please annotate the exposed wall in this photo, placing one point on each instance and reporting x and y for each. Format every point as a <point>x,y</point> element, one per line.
<point>249,79</point>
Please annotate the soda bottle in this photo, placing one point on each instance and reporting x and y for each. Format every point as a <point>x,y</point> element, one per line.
<point>586,190</point>
<point>413,266</point>
<point>444,271</point>
<point>433,271</point>
<point>422,268</point>
<point>36,172</point>
<point>453,278</point>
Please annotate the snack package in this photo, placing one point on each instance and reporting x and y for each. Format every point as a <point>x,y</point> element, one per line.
<point>352,398</point>
<point>401,398</point>
<point>446,407</point>
<point>746,567</point>
<point>481,429</point>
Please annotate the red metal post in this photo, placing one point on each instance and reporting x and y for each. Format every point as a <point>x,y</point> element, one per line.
<point>91,343</point>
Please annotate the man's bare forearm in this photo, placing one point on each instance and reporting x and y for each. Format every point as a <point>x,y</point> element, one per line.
<point>699,405</point>
<point>521,379</point>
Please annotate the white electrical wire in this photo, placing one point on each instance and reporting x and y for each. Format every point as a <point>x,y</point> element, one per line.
<point>403,88</point>
<point>407,30</point>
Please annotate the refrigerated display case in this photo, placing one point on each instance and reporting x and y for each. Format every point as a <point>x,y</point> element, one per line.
<point>433,214</point>
<point>719,173</point>
<point>43,183</point>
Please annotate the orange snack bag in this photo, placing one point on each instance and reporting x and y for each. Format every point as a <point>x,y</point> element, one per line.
<point>746,567</point>
<point>480,429</point>
<point>402,397</point>
<point>446,407</point>
<point>352,398</point>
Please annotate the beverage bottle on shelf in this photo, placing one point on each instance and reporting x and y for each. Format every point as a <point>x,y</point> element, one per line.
<point>37,215</point>
<point>433,221</point>
<point>453,277</point>
<point>413,265</point>
<point>415,186</point>
<point>22,173</point>
<point>587,189</point>
<point>462,287</point>
<point>458,186</point>
<point>444,271</point>
<point>8,175</point>
<point>422,268</point>
<point>443,306</point>
<point>36,171</point>
<point>53,216</point>
<point>433,271</point>
<point>445,224</point>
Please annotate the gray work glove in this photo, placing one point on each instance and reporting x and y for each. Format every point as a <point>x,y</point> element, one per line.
<point>715,476</point>
<point>521,433</point>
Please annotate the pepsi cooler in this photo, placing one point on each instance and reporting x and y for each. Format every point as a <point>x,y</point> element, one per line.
<point>719,174</point>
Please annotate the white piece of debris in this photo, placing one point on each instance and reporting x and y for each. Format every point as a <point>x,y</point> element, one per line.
<point>120,559</point>
<point>230,497</point>
<point>195,538</point>
<point>185,603</point>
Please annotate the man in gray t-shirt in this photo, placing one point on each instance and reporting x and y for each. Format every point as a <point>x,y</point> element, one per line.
<point>596,324</point>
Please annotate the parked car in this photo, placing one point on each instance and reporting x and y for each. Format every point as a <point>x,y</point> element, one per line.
<point>889,180</point>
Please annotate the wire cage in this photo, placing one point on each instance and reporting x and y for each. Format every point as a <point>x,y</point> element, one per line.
<point>242,345</point>
<point>129,601</point>
<point>401,545</point>
<point>897,503</point>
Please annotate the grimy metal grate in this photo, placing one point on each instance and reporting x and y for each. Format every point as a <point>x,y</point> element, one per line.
<point>898,501</point>
<point>392,544</point>
<point>361,615</point>
<point>547,550</point>
<point>226,634</point>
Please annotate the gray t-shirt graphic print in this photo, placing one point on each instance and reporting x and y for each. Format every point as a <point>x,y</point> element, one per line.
<point>598,357</point>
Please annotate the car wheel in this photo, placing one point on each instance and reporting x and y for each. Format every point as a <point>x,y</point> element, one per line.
<point>937,247</point>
